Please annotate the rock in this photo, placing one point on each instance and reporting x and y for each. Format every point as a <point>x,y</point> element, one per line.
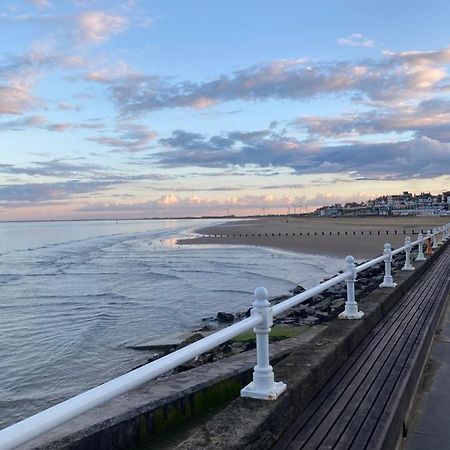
<point>279,298</point>
<point>208,319</point>
<point>191,339</point>
<point>298,313</point>
<point>224,317</point>
<point>298,290</point>
<point>310,320</point>
<point>207,328</point>
<point>335,290</point>
<point>250,345</point>
<point>323,305</point>
<point>338,303</point>
<point>322,316</point>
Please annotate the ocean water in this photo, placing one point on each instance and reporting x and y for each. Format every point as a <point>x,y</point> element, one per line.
<point>74,296</point>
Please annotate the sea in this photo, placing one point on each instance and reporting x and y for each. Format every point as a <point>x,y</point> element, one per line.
<point>75,297</point>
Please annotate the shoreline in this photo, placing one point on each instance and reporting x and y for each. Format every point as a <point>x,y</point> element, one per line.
<point>361,237</point>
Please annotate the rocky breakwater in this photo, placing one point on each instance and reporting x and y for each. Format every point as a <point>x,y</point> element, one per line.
<point>317,310</point>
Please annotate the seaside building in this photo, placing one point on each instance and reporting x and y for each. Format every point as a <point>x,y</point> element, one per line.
<point>405,204</point>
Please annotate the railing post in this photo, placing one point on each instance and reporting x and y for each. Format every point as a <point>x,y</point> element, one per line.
<point>445,232</point>
<point>408,265</point>
<point>435,242</point>
<point>263,385</point>
<point>351,307</point>
<point>440,236</point>
<point>388,281</point>
<point>420,256</point>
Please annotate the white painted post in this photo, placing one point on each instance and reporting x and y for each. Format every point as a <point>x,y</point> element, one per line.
<point>440,236</point>
<point>351,307</point>
<point>388,281</point>
<point>420,256</point>
<point>263,385</point>
<point>435,242</point>
<point>408,265</point>
<point>445,232</point>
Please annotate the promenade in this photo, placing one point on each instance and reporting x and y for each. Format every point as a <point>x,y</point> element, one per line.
<point>429,428</point>
<point>364,405</point>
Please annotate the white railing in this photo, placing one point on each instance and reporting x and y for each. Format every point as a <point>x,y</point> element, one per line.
<point>263,385</point>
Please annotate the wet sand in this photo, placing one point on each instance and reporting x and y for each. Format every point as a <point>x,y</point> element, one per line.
<point>361,237</point>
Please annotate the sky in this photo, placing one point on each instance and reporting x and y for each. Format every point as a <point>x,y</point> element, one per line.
<point>168,108</point>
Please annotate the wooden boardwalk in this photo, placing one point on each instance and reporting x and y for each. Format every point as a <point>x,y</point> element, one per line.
<point>364,404</point>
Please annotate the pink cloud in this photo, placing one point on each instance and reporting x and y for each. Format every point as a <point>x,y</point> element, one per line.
<point>98,26</point>
<point>41,4</point>
<point>16,97</point>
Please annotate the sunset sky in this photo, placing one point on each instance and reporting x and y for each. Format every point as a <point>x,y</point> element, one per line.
<point>114,109</point>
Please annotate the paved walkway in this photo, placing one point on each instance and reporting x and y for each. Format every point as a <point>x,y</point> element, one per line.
<point>364,404</point>
<point>430,428</point>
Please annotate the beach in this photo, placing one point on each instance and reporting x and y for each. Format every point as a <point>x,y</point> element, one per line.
<point>361,237</point>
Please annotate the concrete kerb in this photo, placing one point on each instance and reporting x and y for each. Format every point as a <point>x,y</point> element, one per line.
<point>252,424</point>
<point>313,358</point>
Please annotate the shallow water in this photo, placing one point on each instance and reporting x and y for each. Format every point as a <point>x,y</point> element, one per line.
<point>75,295</point>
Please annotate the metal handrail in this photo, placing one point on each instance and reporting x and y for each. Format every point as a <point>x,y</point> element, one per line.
<point>263,385</point>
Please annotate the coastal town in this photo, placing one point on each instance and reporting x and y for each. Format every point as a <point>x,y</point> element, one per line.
<point>406,204</point>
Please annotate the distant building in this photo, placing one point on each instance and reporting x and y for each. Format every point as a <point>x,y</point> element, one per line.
<point>405,204</point>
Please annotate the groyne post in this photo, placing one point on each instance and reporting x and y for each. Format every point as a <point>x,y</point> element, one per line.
<point>420,256</point>
<point>351,307</point>
<point>408,265</point>
<point>388,281</point>
<point>263,386</point>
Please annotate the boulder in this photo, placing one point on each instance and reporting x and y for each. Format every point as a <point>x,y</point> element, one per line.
<point>224,317</point>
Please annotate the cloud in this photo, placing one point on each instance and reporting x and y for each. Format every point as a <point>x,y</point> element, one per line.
<point>173,205</point>
<point>66,106</point>
<point>16,97</point>
<point>420,157</point>
<point>356,40</point>
<point>38,121</point>
<point>41,4</point>
<point>393,77</point>
<point>55,168</point>
<point>19,74</point>
<point>25,122</point>
<point>429,118</point>
<point>98,26</point>
<point>132,138</point>
<point>15,194</point>
<point>60,168</point>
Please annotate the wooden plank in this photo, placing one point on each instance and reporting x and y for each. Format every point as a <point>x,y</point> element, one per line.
<point>356,394</point>
<point>366,415</point>
<point>331,392</point>
<point>343,409</point>
<point>403,379</point>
